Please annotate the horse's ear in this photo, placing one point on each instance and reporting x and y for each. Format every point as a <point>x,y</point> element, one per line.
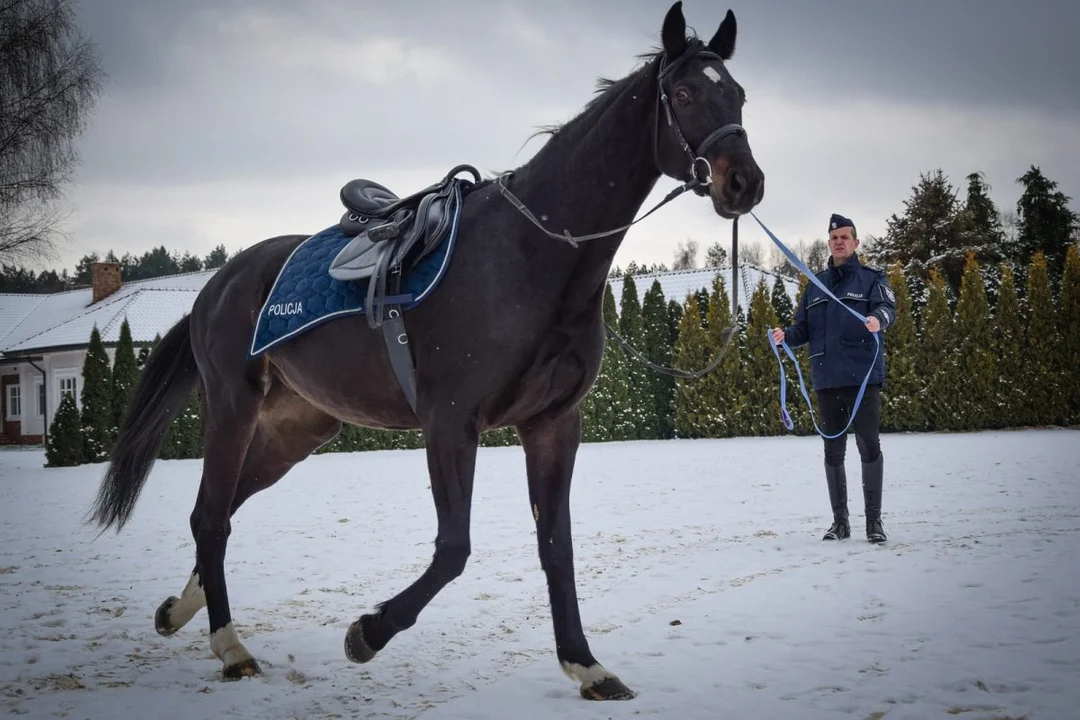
<point>674,32</point>
<point>723,42</point>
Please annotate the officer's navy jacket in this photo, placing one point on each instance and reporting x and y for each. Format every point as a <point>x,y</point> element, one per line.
<point>841,348</point>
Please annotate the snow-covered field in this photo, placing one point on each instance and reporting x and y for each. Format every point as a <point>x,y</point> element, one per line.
<point>703,580</point>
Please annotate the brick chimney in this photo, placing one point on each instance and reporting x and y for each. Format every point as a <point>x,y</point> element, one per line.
<point>105,277</point>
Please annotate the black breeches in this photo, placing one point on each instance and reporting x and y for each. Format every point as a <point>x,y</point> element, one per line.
<point>834,406</point>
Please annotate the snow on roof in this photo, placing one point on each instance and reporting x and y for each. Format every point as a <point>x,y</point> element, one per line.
<point>14,309</point>
<point>37,322</point>
<point>677,284</point>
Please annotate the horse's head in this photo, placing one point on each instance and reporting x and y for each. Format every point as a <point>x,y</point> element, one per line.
<point>699,117</point>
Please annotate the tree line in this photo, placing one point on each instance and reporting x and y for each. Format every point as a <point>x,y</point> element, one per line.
<point>155,263</point>
<point>966,365</point>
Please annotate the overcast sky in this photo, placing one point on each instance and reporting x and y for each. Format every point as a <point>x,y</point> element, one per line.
<point>229,121</point>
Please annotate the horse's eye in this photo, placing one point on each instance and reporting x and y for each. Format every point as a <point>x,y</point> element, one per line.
<point>682,95</point>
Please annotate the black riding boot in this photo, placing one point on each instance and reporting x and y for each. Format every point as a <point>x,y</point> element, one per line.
<point>872,482</point>
<point>837,481</point>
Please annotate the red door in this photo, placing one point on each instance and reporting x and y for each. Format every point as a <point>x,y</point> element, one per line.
<point>12,429</point>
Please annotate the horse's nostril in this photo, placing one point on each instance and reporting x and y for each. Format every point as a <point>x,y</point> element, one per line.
<point>736,183</point>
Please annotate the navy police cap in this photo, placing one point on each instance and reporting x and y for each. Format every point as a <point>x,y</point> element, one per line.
<point>839,221</point>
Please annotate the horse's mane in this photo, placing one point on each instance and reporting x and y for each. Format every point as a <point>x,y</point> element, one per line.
<point>606,89</point>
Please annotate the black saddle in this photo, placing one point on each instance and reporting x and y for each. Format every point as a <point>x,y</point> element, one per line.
<point>391,234</point>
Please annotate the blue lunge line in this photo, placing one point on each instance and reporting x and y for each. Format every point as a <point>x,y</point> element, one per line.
<point>784,416</point>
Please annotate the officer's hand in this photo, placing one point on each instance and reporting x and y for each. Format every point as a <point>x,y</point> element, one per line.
<point>778,335</point>
<point>873,324</point>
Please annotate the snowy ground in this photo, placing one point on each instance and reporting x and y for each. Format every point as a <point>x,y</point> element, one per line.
<point>704,584</point>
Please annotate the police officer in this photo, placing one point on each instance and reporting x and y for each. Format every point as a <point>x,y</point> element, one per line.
<point>841,350</point>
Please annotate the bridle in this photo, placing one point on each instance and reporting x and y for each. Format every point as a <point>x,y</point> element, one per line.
<point>699,183</point>
<point>697,158</point>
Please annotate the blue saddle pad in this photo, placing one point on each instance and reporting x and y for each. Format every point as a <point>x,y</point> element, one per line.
<point>305,295</point>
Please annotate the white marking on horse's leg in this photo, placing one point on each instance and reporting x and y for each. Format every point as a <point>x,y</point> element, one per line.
<point>191,601</point>
<point>226,645</point>
<point>587,676</point>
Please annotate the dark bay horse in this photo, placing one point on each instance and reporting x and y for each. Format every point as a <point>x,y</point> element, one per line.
<point>513,337</point>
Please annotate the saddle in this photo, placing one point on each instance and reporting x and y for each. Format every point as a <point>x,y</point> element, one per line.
<point>390,233</point>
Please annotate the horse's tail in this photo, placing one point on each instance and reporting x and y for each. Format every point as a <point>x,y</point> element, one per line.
<point>163,389</point>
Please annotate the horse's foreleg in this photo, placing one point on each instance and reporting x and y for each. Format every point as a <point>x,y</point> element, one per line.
<point>550,451</point>
<point>451,454</point>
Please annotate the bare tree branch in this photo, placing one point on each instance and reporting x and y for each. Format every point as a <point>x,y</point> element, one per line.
<point>50,77</point>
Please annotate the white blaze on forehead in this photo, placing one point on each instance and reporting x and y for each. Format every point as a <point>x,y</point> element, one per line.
<point>712,74</point>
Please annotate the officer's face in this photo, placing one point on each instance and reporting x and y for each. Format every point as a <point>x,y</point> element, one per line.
<point>842,244</point>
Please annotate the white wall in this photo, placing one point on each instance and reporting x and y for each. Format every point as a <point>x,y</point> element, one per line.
<point>59,367</point>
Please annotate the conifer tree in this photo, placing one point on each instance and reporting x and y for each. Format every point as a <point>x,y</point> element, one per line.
<point>900,408</point>
<point>125,374</point>
<point>1045,220</point>
<point>693,408</point>
<point>985,232</point>
<point>1009,340</point>
<point>1069,349</point>
<point>761,411</point>
<point>659,420</point>
<point>632,329</point>
<point>1042,394</point>
<point>64,446</point>
<point>184,438</point>
<point>702,296</point>
<point>977,358</point>
<point>605,409</point>
<point>96,401</point>
<point>938,357</point>
<point>931,232</point>
<point>722,387</point>
<point>675,313</point>
<point>781,302</point>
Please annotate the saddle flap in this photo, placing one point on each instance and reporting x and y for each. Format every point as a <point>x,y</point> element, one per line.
<point>359,259</point>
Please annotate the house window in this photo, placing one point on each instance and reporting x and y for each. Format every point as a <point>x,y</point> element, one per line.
<point>14,402</point>
<point>67,384</point>
<point>40,409</point>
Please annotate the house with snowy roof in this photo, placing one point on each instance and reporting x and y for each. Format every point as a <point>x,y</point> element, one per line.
<point>678,284</point>
<point>44,337</point>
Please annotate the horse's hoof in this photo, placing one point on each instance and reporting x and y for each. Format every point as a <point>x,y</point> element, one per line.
<point>356,648</point>
<point>610,688</point>
<point>161,617</point>
<point>247,668</point>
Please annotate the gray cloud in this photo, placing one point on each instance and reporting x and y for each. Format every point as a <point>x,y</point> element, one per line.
<point>215,106</point>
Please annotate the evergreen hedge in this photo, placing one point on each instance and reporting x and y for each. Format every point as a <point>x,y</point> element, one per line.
<point>953,363</point>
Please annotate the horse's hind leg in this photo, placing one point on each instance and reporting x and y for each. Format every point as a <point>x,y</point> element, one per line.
<point>287,431</point>
<point>550,446</point>
<point>176,612</point>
